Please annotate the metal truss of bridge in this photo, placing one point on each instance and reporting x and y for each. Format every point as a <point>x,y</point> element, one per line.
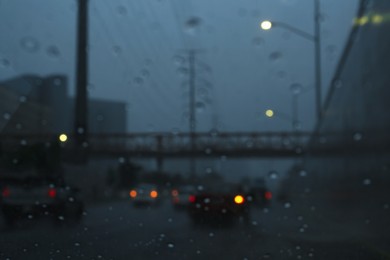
<point>181,145</point>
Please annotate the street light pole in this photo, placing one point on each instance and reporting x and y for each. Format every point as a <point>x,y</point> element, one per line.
<point>316,39</point>
<point>317,58</point>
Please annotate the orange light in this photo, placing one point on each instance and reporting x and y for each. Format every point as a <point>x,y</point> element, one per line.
<point>239,199</point>
<point>153,194</point>
<point>133,193</point>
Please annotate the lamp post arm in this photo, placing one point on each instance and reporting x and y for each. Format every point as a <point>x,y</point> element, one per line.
<point>297,31</point>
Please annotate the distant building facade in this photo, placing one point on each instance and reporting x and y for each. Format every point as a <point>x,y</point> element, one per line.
<point>32,104</point>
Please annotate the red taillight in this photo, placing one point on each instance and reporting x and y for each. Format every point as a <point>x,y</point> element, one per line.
<point>52,193</point>
<point>6,192</point>
<point>192,198</point>
<point>268,195</point>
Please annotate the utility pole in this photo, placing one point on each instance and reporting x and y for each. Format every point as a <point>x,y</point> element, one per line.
<point>192,118</point>
<point>81,109</point>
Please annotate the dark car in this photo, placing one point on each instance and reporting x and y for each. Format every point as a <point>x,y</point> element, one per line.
<point>219,205</point>
<point>33,197</point>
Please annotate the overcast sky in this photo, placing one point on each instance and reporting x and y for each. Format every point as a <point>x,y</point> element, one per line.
<point>137,56</point>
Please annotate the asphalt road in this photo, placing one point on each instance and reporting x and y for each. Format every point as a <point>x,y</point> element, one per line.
<point>117,230</point>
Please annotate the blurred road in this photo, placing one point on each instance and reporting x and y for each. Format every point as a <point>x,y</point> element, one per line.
<point>117,230</point>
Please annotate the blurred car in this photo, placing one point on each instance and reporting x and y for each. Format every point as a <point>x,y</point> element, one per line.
<point>181,196</point>
<point>145,194</point>
<point>30,197</point>
<point>218,205</point>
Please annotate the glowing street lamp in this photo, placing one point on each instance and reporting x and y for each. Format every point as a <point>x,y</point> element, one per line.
<point>266,25</point>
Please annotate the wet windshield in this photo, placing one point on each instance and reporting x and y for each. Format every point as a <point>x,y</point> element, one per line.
<point>181,129</point>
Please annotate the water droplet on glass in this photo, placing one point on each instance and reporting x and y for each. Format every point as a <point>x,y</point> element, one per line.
<point>139,81</point>
<point>302,173</point>
<point>192,24</point>
<point>337,83</point>
<point>296,88</point>
<point>182,71</point>
<point>117,49</point>
<point>367,182</point>
<point>80,130</point>
<point>29,44</point>
<point>200,107</point>
<point>357,136</point>
<point>206,200</point>
<point>6,116</point>
<point>171,245</point>
<point>53,51</point>
<point>178,60</point>
<point>209,170</point>
<point>281,74</point>
<point>273,175</point>
<point>211,234</point>
<point>200,188</point>
<point>76,244</point>
<point>275,56</point>
<point>121,10</point>
<point>145,73</point>
<point>257,41</point>
<point>287,205</point>
<point>5,63</point>
<point>61,218</point>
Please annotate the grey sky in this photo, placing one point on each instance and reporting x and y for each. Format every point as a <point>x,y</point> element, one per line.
<point>134,49</point>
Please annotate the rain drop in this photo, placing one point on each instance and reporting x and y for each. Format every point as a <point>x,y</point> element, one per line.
<point>117,49</point>
<point>275,56</point>
<point>5,63</point>
<point>257,41</point>
<point>357,136</point>
<point>200,106</point>
<point>121,10</point>
<point>171,245</point>
<point>296,88</point>
<point>139,81</point>
<point>273,175</point>
<point>367,182</point>
<point>6,116</point>
<point>287,205</point>
<point>29,44</point>
<point>53,51</point>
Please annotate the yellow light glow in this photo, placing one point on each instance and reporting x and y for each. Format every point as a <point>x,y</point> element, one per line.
<point>153,194</point>
<point>377,19</point>
<point>266,25</point>
<point>361,20</point>
<point>239,199</point>
<point>63,138</point>
<point>269,113</point>
<point>133,193</point>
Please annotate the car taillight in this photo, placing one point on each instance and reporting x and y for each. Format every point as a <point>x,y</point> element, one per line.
<point>175,193</point>
<point>191,198</point>
<point>133,193</point>
<point>238,199</point>
<point>52,193</point>
<point>153,194</point>
<point>268,195</point>
<point>5,192</point>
